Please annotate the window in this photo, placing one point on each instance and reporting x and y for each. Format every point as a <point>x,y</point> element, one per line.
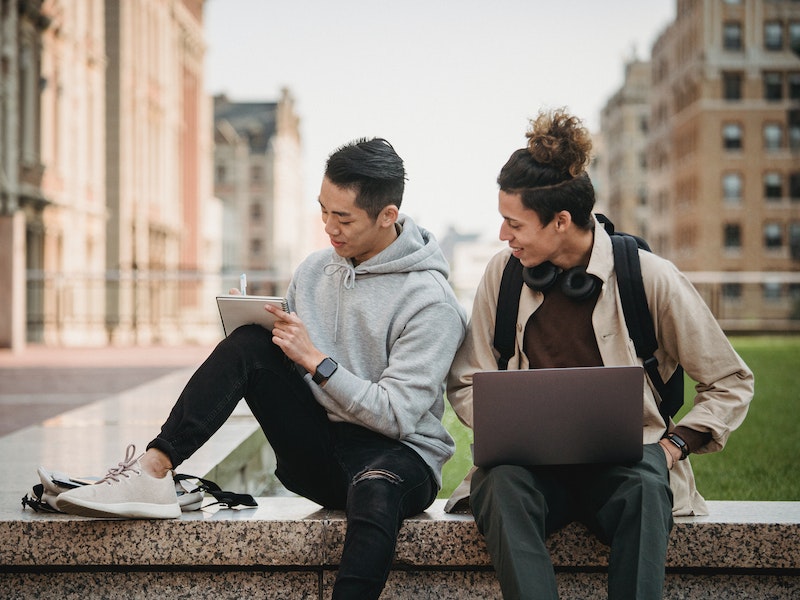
<point>794,36</point>
<point>256,173</point>
<point>794,136</point>
<point>794,185</point>
<point>732,236</point>
<point>773,136</point>
<point>793,119</point>
<point>771,290</point>
<point>772,236</point>
<point>773,190</point>
<point>732,86</point>
<point>255,247</point>
<point>732,291</point>
<point>221,173</point>
<point>773,86</point>
<point>732,136</point>
<point>793,83</point>
<point>732,188</point>
<point>773,35</point>
<point>255,211</point>
<point>732,35</point>
<point>794,240</point>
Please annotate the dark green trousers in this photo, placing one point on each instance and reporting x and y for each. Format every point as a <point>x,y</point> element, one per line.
<point>628,507</point>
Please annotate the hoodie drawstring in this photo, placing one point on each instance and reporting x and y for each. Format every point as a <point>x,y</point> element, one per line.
<point>348,282</point>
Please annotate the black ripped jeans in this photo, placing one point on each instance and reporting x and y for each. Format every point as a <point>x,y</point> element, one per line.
<point>377,480</point>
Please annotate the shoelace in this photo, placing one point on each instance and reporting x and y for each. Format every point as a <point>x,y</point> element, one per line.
<point>114,473</point>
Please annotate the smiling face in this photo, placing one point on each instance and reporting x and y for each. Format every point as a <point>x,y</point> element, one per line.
<point>531,242</point>
<point>352,232</point>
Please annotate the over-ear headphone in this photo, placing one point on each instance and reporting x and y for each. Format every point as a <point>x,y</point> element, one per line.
<point>577,283</point>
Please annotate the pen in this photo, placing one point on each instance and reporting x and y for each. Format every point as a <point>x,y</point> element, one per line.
<point>243,284</point>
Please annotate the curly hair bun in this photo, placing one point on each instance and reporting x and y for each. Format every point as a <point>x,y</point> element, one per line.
<point>560,141</point>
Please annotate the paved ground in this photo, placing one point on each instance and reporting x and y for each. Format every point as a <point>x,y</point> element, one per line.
<point>40,382</point>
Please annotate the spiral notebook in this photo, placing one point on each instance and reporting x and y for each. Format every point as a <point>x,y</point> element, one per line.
<point>236,311</point>
<point>579,415</point>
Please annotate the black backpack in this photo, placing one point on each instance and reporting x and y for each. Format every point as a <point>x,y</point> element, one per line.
<point>634,307</point>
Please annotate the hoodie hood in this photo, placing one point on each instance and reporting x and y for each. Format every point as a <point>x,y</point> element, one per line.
<point>415,249</point>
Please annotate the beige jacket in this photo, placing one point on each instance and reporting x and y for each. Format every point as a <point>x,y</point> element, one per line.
<point>687,333</point>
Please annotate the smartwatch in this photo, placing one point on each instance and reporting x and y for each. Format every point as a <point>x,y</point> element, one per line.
<point>324,370</point>
<point>678,442</point>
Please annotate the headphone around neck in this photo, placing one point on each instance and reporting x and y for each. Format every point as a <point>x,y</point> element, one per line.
<point>577,283</point>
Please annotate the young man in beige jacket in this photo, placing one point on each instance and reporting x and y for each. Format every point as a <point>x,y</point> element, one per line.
<point>545,201</point>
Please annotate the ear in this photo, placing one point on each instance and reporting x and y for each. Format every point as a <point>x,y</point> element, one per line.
<point>563,220</point>
<point>388,216</point>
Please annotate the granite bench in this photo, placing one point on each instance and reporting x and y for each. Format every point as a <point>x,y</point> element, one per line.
<point>289,548</point>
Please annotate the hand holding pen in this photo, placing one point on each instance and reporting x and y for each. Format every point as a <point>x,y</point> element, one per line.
<point>242,290</point>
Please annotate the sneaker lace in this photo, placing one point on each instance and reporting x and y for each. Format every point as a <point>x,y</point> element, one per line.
<point>121,470</point>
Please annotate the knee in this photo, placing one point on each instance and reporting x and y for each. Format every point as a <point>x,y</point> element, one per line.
<point>498,485</point>
<point>253,340</point>
<point>249,334</point>
<point>375,494</point>
<point>498,480</point>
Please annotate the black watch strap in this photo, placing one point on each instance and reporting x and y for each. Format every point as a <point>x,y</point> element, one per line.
<point>679,443</point>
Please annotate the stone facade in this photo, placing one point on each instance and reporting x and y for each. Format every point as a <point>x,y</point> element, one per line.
<point>722,198</point>
<point>22,202</point>
<point>624,124</point>
<point>157,158</point>
<point>106,159</point>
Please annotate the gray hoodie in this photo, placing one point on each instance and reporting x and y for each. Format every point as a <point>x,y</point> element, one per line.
<point>393,324</point>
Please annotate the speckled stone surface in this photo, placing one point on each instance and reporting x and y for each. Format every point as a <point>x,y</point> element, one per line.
<point>295,531</point>
<point>167,586</point>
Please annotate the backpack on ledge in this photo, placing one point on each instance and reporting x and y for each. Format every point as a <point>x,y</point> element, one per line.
<point>634,307</point>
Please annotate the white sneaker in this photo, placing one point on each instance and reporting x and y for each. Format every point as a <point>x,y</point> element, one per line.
<point>125,492</point>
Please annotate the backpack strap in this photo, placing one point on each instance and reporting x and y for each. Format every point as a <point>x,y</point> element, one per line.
<point>507,309</point>
<point>640,323</point>
<point>229,499</point>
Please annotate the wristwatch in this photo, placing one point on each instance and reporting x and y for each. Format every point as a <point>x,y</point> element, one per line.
<point>679,443</point>
<point>324,370</point>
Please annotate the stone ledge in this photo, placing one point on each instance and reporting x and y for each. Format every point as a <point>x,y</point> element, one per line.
<point>290,548</point>
<point>294,532</point>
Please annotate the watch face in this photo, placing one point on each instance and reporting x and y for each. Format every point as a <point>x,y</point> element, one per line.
<point>325,369</point>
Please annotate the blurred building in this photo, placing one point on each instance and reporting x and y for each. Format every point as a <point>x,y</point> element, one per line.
<point>702,155</point>
<point>623,158</point>
<point>258,178</point>
<point>66,246</point>
<point>109,229</point>
<point>22,201</point>
<point>157,170</point>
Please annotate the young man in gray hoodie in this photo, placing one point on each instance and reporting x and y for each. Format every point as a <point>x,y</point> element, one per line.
<point>348,387</point>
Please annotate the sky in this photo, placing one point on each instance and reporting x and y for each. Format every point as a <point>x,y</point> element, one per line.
<point>452,84</point>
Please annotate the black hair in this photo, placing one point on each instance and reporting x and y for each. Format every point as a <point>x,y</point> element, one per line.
<point>549,174</point>
<point>371,168</point>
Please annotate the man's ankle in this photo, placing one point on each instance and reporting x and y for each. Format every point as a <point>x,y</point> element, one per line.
<point>155,463</point>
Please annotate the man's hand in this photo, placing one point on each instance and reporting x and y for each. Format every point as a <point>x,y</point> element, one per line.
<point>672,452</point>
<point>290,335</point>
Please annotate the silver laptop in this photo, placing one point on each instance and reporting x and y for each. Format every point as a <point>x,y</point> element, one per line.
<point>565,416</point>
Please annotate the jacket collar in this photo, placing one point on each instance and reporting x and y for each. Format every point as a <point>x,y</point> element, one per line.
<point>601,261</point>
